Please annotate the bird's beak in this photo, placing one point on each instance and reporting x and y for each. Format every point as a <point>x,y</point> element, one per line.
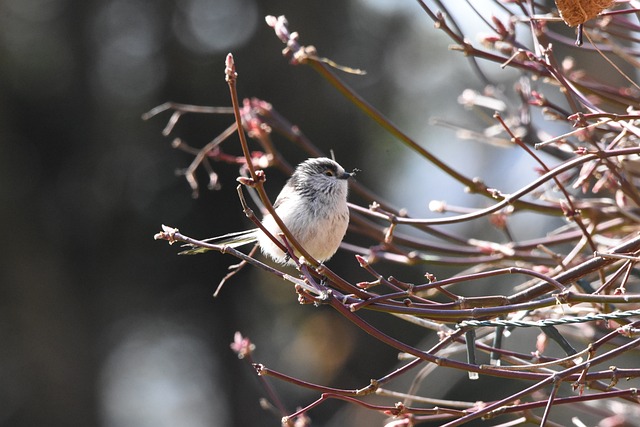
<point>348,175</point>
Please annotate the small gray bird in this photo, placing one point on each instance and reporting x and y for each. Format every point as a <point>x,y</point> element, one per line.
<point>313,206</point>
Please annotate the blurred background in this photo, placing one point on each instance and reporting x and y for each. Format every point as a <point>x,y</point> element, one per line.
<point>100,324</point>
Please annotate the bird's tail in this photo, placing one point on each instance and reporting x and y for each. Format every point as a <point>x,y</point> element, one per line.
<point>234,240</point>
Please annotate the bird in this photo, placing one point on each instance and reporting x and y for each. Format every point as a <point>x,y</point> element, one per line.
<point>312,205</point>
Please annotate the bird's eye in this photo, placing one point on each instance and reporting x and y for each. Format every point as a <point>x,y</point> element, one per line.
<point>328,172</point>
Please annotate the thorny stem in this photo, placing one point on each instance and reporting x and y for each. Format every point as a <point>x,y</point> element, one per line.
<point>258,180</point>
<point>231,77</point>
<point>264,371</point>
<point>559,280</point>
<point>440,22</point>
<point>550,401</point>
<point>516,408</point>
<point>448,311</point>
<point>429,355</point>
<point>394,411</point>
<point>567,374</point>
<point>572,213</point>
<point>172,235</point>
<point>179,110</point>
<point>190,172</point>
<point>562,375</point>
<point>573,274</point>
<point>473,185</point>
<point>303,55</point>
<point>271,392</point>
<point>508,199</point>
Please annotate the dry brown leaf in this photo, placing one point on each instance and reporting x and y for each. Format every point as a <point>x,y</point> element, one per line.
<point>575,12</point>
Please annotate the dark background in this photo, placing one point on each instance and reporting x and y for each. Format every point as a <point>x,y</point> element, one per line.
<point>102,325</point>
